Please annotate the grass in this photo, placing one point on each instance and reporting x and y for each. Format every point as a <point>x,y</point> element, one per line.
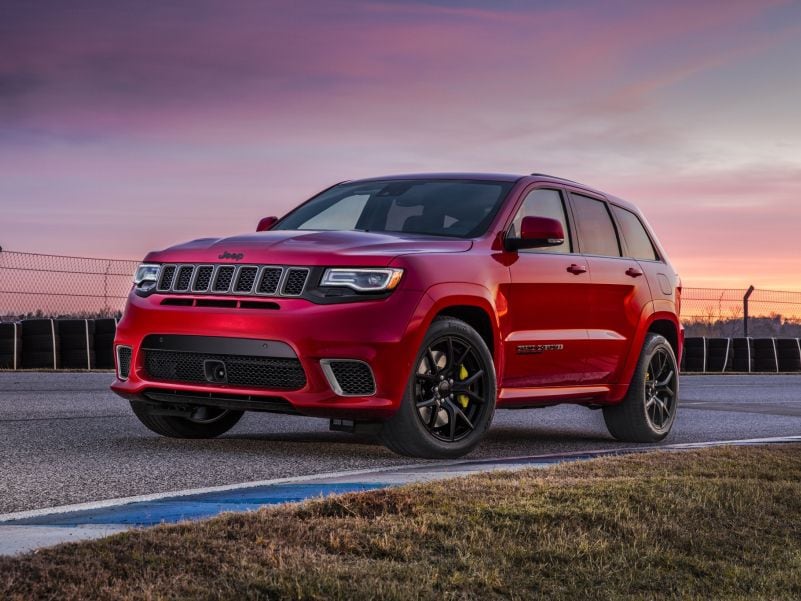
<point>723,523</point>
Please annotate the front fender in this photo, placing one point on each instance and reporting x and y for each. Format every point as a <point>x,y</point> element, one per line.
<point>440,297</point>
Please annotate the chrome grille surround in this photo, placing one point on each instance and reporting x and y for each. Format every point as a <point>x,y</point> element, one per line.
<point>224,279</point>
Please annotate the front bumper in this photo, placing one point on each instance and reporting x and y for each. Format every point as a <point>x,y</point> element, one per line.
<point>384,334</point>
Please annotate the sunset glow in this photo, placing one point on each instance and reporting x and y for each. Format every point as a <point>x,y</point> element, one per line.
<point>126,126</point>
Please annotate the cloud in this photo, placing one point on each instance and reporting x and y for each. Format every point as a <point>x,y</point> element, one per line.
<point>168,108</point>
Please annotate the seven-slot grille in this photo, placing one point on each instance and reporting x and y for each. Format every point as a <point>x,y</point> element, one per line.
<point>266,280</point>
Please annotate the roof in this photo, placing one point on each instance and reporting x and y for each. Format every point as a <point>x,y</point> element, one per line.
<point>500,177</point>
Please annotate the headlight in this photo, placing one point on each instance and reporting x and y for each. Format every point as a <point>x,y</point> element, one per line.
<point>363,280</point>
<point>146,273</point>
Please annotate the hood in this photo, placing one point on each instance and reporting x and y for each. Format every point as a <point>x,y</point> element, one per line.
<point>296,247</point>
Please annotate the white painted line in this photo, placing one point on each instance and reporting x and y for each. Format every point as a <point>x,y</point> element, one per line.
<point>634,449</point>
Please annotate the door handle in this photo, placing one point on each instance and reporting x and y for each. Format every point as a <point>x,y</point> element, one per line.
<point>577,269</point>
<point>633,272</point>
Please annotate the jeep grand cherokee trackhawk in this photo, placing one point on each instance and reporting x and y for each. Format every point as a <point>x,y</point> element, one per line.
<point>411,306</point>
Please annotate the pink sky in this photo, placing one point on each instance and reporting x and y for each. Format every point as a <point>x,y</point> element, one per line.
<point>124,129</point>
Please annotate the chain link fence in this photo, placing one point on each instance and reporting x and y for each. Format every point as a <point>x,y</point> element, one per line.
<point>38,285</point>
<point>721,312</point>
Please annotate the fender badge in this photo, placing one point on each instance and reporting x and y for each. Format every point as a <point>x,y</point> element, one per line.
<point>234,256</point>
<point>536,349</point>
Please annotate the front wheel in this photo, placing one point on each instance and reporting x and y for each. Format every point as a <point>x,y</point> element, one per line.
<point>648,411</point>
<point>205,422</point>
<point>450,397</point>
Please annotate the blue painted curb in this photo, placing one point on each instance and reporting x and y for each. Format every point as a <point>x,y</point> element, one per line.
<point>195,507</point>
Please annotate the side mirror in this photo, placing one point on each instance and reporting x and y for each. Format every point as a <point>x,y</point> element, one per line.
<point>537,232</point>
<point>266,223</point>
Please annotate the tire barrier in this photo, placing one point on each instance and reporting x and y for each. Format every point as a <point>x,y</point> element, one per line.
<point>89,344</point>
<point>742,355</point>
<point>40,344</point>
<point>718,354</point>
<point>789,353</point>
<point>77,346</point>
<point>104,343</point>
<point>765,356</point>
<point>10,346</point>
<point>57,344</point>
<point>694,358</point>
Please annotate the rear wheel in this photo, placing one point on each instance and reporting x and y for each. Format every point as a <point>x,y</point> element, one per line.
<point>648,411</point>
<point>204,422</point>
<point>450,397</point>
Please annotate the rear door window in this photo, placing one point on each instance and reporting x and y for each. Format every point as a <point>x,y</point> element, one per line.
<point>596,231</point>
<point>638,243</point>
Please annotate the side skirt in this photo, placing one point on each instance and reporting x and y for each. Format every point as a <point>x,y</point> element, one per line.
<point>522,398</point>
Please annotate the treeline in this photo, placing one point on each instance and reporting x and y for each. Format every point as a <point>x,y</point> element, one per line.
<point>774,326</point>
<point>102,314</point>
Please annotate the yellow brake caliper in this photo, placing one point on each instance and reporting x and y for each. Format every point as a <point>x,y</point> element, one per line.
<point>462,398</point>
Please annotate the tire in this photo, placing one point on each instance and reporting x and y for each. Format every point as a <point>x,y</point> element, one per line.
<point>789,354</point>
<point>105,326</point>
<point>76,328</point>
<point>433,420</point>
<point>40,360</point>
<point>41,343</point>
<point>39,327</point>
<point>104,349</point>
<point>7,361</point>
<point>77,360</point>
<point>183,427</point>
<point>10,338</point>
<point>743,354</point>
<point>639,417</point>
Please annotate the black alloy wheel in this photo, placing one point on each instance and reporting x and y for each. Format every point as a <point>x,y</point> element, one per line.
<point>450,397</point>
<point>660,389</point>
<point>648,411</point>
<point>450,388</point>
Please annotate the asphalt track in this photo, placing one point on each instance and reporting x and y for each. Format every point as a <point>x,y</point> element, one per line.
<point>65,438</point>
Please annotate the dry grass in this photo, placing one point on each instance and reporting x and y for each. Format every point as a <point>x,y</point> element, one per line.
<point>722,523</point>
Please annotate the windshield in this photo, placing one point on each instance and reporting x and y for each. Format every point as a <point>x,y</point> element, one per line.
<point>454,208</point>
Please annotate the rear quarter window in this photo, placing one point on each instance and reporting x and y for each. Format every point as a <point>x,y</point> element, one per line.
<point>638,243</point>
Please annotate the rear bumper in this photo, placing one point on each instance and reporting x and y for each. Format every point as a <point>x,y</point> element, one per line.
<point>384,334</point>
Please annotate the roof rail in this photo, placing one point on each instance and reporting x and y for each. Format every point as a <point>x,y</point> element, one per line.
<point>564,179</point>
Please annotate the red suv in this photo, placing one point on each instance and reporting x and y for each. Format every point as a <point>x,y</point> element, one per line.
<point>411,306</point>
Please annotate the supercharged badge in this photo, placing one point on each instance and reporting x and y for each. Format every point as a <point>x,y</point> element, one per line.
<point>536,349</point>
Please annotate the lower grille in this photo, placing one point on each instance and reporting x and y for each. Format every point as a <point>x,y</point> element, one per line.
<point>348,377</point>
<point>242,370</point>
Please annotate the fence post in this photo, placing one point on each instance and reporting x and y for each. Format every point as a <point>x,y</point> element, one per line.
<point>105,287</point>
<point>745,310</point>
